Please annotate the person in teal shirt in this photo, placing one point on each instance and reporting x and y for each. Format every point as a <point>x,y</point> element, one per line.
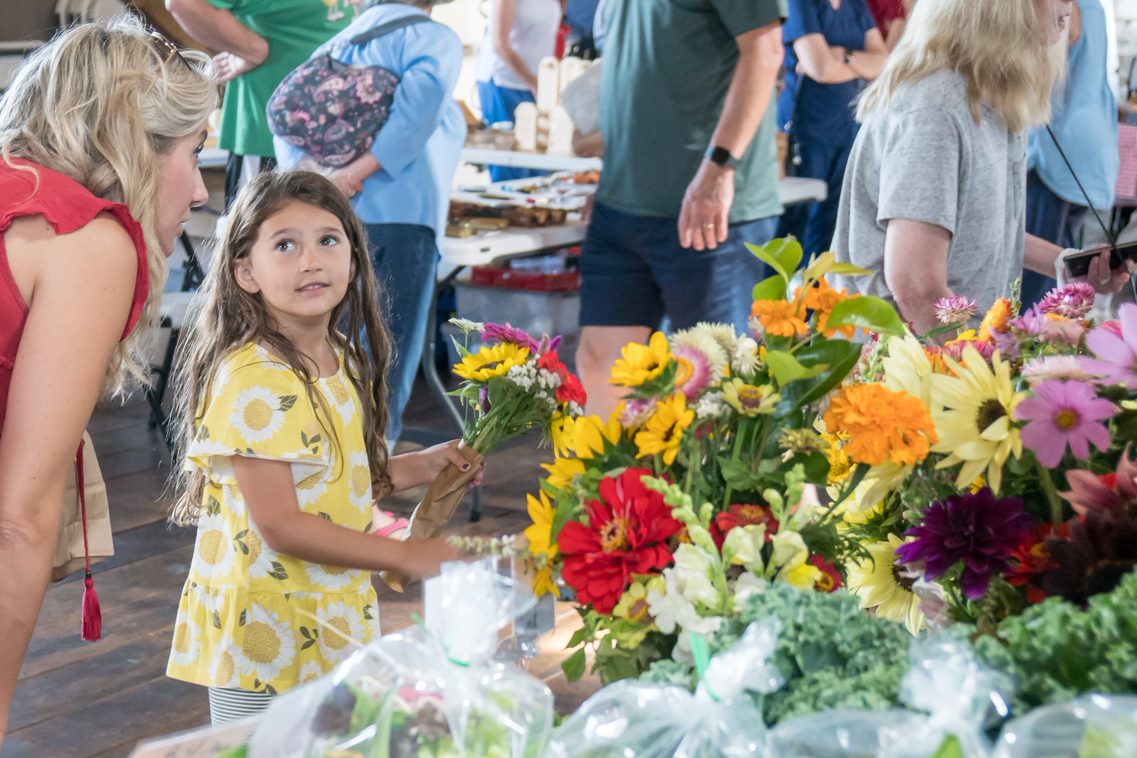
<point>690,173</point>
<point>260,43</point>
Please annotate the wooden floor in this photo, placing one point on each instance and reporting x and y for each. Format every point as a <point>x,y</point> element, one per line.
<point>80,699</point>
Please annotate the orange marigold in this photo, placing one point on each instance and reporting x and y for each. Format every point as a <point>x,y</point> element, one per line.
<point>820,299</point>
<point>882,425</point>
<point>996,319</point>
<point>780,318</point>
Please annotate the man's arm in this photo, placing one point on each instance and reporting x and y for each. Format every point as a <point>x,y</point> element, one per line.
<point>219,29</point>
<point>705,213</point>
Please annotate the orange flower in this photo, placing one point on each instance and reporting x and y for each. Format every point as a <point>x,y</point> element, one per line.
<point>996,320</point>
<point>882,425</point>
<point>780,318</point>
<point>820,299</point>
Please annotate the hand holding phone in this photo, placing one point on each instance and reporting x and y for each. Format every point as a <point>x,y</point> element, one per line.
<point>1089,264</point>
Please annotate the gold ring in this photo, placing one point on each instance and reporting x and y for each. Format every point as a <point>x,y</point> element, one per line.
<point>708,226</point>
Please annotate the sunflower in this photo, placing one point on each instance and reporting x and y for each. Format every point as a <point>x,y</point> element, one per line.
<point>561,432</point>
<point>975,410</point>
<point>562,471</point>
<point>491,361</point>
<point>591,436</point>
<point>879,585</point>
<point>664,430</point>
<point>780,318</point>
<point>882,425</point>
<point>540,532</point>
<point>640,364</point>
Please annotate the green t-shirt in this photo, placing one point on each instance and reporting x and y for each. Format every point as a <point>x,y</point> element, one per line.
<point>667,68</point>
<point>293,28</point>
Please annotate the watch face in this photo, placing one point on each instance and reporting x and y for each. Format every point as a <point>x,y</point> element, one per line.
<point>720,156</point>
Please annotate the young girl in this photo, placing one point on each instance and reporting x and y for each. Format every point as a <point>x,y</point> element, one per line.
<point>282,412</point>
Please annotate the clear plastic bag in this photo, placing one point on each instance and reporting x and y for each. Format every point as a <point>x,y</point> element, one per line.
<point>431,691</point>
<point>951,696</point>
<point>1091,726</point>
<point>660,721</point>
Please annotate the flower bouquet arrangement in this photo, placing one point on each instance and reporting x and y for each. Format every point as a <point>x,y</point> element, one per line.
<point>513,384</point>
<point>698,491</point>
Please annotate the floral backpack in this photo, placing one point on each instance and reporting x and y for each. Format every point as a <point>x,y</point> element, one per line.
<point>332,111</point>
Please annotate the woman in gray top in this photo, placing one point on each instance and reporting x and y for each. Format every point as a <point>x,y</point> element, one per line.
<point>933,202</point>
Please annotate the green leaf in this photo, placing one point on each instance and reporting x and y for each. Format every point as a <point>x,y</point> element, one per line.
<point>867,312</point>
<point>367,613</point>
<point>838,358</point>
<point>308,644</point>
<point>579,637</point>
<point>304,439</point>
<point>316,439</point>
<point>738,476</point>
<point>826,263</point>
<point>949,748</point>
<point>325,516</point>
<point>243,618</point>
<point>573,666</point>
<point>788,369</point>
<point>783,255</point>
<point>216,620</point>
<point>773,288</point>
<point>278,571</point>
<point>287,401</point>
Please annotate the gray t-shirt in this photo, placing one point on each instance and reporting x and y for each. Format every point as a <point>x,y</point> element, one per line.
<point>924,158</point>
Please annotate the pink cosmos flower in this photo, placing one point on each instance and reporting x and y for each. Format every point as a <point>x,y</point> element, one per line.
<point>1116,361</point>
<point>955,310</point>
<point>1061,414</point>
<point>1073,300</point>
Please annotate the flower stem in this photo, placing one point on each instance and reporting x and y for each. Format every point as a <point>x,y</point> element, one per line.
<point>1057,516</point>
<point>739,433</point>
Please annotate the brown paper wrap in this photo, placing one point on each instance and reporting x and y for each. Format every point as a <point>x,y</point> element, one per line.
<point>437,507</point>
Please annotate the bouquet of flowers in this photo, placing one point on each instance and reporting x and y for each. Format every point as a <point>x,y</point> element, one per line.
<point>514,384</point>
<point>699,489</point>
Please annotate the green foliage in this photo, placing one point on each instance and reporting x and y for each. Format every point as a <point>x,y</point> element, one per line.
<point>867,312</point>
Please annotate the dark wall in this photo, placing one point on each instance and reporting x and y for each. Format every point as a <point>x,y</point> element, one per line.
<point>27,19</point>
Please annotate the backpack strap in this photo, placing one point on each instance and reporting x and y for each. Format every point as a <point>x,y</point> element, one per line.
<point>390,26</point>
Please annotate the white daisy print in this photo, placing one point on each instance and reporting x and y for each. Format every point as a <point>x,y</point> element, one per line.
<point>213,554</point>
<point>360,477</point>
<point>339,392</point>
<point>311,489</point>
<point>330,577</point>
<point>234,500</point>
<point>340,624</point>
<point>267,646</point>
<point>310,671</point>
<point>223,672</point>
<point>261,559</point>
<point>259,413</point>
<point>186,646</point>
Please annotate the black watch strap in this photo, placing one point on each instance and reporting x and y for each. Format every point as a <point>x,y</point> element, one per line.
<point>720,156</point>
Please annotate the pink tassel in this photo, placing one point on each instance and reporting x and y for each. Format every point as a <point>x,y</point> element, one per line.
<point>92,611</point>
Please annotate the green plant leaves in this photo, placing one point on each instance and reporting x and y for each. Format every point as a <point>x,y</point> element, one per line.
<point>835,357</point>
<point>867,312</point>
<point>783,255</point>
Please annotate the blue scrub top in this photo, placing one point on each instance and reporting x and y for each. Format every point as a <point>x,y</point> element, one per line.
<point>824,112</point>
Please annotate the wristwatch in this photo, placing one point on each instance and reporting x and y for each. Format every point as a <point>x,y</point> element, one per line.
<point>720,156</point>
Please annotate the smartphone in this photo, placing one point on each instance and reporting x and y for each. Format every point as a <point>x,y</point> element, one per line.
<point>1078,264</point>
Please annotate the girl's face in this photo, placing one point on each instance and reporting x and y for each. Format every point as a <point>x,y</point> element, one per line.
<point>1055,17</point>
<point>301,264</point>
<point>180,188</point>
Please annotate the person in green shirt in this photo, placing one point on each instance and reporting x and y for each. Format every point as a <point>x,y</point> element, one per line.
<point>260,43</point>
<point>690,173</point>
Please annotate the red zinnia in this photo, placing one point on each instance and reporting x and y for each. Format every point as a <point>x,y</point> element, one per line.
<point>742,515</point>
<point>627,533</point>
<point>571,390</point>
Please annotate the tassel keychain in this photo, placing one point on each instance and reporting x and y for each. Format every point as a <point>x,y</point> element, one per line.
<point>92,628</point>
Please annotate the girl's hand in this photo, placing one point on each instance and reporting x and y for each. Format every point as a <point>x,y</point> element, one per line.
<point>438,457</point>
<point>424,558</point>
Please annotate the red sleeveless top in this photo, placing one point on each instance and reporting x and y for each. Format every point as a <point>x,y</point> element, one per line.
<point>68,207</point>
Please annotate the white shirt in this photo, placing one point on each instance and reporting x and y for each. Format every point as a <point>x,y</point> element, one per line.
<point>533,36</point>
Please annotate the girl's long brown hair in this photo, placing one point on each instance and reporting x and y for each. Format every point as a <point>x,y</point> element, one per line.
<point>228,318</point>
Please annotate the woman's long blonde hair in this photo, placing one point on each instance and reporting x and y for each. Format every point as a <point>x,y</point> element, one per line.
<point>99,104</point>
<point>229,318</point>
<point>994,44</point>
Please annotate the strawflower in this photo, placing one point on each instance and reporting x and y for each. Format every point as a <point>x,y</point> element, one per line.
<point>640,364</point>
<point>1072,300</point>
<point>955,310</point>
<point>499,333</point>
<point>627,533</point>
<point>1116,361</point>
<point>1064,414</point>
<point>663,432</point>
<point>780,318</point>
<point>490,361</point>
<point>979,530</point>
<point>996,319</point>
<point>1054,367</point>
<point>635,411</point>
<point>706,339</point>
<point>881,425</point>
<point>694,372</point>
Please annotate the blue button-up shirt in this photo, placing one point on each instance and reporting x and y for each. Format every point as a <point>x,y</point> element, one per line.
<point>420,144</point>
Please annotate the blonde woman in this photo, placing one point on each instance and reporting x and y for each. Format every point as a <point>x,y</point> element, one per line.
<point>99,135</point>
<point>933,201</point>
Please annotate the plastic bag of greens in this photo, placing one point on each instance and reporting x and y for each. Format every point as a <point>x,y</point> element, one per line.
<point>654,720</point>
<point>1091,726</point>
<point>433,691</point>
<point>950,696</point>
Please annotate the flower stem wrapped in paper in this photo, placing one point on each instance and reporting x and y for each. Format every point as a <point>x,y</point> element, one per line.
<point>514,384</point>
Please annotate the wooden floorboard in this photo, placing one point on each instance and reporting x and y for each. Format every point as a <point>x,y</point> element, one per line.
<point>80,699</point>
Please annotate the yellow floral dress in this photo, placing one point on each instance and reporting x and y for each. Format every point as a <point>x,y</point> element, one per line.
<point>248,615</point>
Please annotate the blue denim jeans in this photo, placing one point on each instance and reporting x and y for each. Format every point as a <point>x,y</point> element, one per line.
<point>406,259</point>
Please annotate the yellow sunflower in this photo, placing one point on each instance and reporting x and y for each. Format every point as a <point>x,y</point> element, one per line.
<point>591,436</point>
<point>562,471</point>
<point>561,431</point>
<point>491,361</point>
<point>973,411</point>
<point>540,537</point>
<point>642,363</point>
<point>879,585</point>
<point>664,430</point>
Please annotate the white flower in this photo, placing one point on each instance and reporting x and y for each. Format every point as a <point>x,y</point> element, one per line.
<point>747,586</point>
<point>186,646</point>
<point>257,415</point>
<point>754,326</point>
<point>724,334</point>
<point>213,552</point>
<point>789,547</point>
<point>711,406</point>
<point>312,488</point>
<point>468,326</point>
<point>671,611</point>
<point>340,624</point>
<point>261,557</point>
<point>907,368</point>
<point>1055,367</point>
<point>330,577</point>
<point>337,390</point>
<point>744,546</point>
<point>702,337</point>
<point>233,500</point>
<point>310,671</point>
<point>223,672</point>
<point>360,472</point>
<point>692,575</point>
<point>745,356</point>
<point>267,647</point>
